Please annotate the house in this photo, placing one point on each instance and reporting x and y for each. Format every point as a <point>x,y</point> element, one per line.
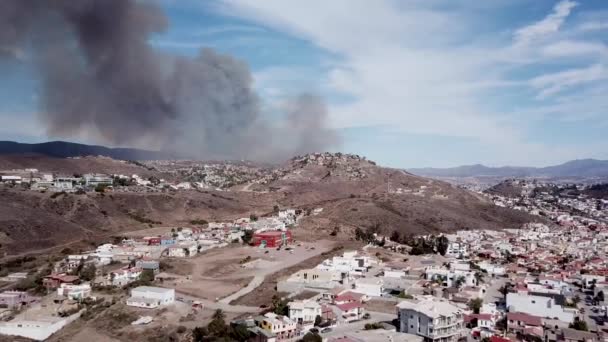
<point>352,311</point>
<point>310,278</point>
<point>517,322</point>
<point>371,287</point>
<point>75,292</point>
<point>272,238</point>
<point>53,281</point>
<point>125,276</point>
<point>349,297</point>
<point>433,319</point>
<point>305,312</point>
<point>261,335</point>
<point>282,327</point>
<point>151,297</point>
<point>183,250</point>
<point>457,249</point>
<point>15,299</point>
<point>542,305</point>
<point>572,335</point>
<point>94,180</point>
<point>151,265</point>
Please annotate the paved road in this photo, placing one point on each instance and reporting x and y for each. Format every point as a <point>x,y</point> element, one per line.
<point>208,304</point>
<point>253,284</point>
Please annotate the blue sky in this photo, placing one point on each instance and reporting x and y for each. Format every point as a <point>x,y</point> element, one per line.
<point>408,83</point>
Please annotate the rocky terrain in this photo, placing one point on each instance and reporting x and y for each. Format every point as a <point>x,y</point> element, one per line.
<point>353,192</point>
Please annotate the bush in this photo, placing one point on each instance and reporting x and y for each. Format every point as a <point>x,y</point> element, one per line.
<point>373,326</point>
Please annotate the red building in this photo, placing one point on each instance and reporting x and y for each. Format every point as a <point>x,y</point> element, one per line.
<point>53,281</point>
<point>273,238</point>
<point>153,241</point>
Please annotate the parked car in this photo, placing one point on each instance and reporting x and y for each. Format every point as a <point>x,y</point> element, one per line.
<point>326,330</point>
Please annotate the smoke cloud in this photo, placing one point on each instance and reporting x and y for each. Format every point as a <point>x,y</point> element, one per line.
<point>102,79</point>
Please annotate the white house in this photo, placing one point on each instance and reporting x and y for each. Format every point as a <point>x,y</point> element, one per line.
<point>183,250</point>
<point>304,312</point>
<point>492,269</point>
<point>151,297</point>
<point>372,287</point>
<point>76,292</point>
<point>434,319</point>
<point>542,305</point>
<point>457,249</point>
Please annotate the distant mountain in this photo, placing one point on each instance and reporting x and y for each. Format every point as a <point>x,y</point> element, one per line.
<point>584,168</point>
<point>63,149</point>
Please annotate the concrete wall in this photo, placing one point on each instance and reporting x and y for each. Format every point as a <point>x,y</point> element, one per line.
<point>35,330</point>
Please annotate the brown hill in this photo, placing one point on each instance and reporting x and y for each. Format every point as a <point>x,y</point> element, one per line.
<point>352,191</point>
<point>78,165</point>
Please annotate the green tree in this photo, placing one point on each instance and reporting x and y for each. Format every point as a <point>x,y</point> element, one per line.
<point>442,244</point>
<point>199,334</point>
<point>579,325</point>
<point>312,337</point>
<point>318,320</point>
<point>279,306</point>
<point>88,272</point>
<point>239,332</point>
<point>475,304</point>
<point>247,236</point>
<point>146,277</point>
<point>479,277</point>
<point>217,327</point>
<point>600,296</point>
<point>459,281</point>
<point>395,236</point>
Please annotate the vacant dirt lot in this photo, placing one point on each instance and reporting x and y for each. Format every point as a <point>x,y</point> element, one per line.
<point>263,293</point>
<point>218,273</point>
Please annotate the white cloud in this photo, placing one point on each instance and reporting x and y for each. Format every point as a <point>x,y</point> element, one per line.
<point>552,84</point>
<point>420,68</point>
<point>593,26</point>
<point>550,24</point>
<point>569,48</point>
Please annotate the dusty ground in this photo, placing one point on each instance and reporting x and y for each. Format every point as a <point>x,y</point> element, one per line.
<point>113,325</point>
<point>385,306</point>
<point>218,273</point>
<point>262,295</point>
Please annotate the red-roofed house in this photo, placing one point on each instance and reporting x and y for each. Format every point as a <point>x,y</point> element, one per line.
<point>348,297</point>
<point>53,281</point>
<point>351,311</point>
<point>499,339</point>
<point>519,321</point>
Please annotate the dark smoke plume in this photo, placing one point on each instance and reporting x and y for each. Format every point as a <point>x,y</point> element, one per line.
<point>103,80</point>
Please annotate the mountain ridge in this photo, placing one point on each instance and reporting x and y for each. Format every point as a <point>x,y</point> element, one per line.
<point>574,168</point>
<point>65,149</point>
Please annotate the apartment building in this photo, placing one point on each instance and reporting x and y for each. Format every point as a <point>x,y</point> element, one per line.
<point>434,319</point>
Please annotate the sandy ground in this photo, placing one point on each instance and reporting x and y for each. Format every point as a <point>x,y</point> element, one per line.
<point>228,273</point>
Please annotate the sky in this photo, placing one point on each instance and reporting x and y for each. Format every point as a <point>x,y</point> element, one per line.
<point>412,83</point>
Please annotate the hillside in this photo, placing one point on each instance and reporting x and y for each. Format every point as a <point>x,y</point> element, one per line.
<point>63,149</point>
<point>78,165</point>
<point>582,168</point>
<point>352,191</point>
<point>355,192</point>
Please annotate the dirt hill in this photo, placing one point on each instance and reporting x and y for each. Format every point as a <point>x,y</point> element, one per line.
<point>76,165</point>
<point>352,191</point>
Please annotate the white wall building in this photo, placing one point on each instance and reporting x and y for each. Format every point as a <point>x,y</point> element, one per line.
<point>305,311</point>
<point>371,287</point>
<point>151,297</point>
<point>433,319</point>
<point>76,292</point>
<point>541,305</point>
